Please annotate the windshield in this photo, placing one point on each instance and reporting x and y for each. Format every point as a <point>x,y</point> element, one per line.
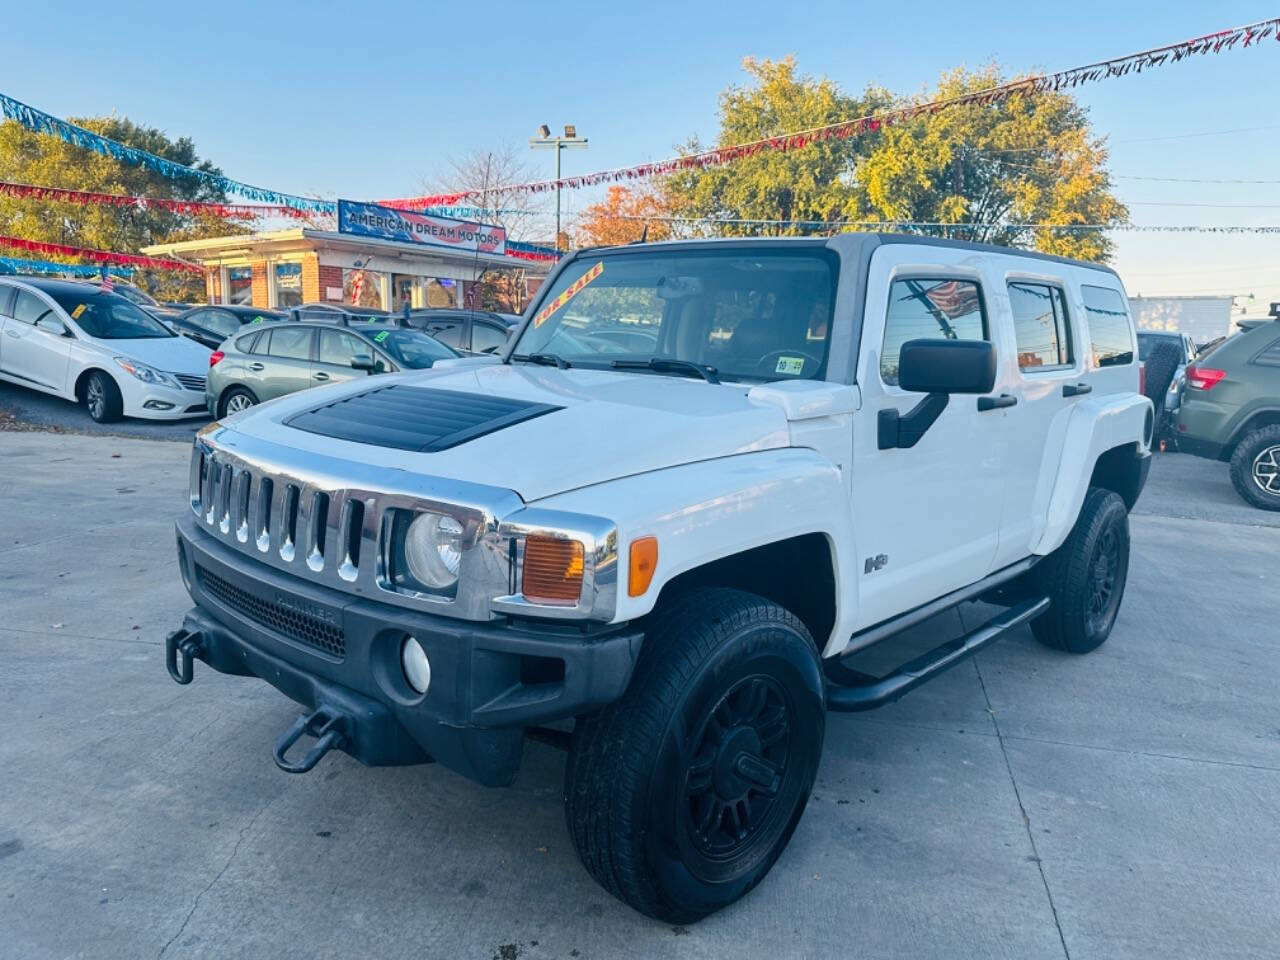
<point>135,296</point>
<point>755,316</point>
<point>107,316</point>
<point>411,349</point>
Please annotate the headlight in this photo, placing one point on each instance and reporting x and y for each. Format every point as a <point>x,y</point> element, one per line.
<point>433,550</point>
<point>145,373</point>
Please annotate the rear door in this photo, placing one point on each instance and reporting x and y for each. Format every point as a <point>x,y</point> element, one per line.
<point>334,352</point>
<point>280,362</point>
<point>30,354</point>
<point>927,517</point>
<point>1048,380</point>
<point>487,336</point>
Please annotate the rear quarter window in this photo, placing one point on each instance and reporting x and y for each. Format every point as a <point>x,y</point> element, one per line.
<point>1270,355</point>
<point>1110,329</point>
<point>245,344</point>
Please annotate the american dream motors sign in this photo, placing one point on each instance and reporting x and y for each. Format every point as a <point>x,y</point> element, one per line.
<point>386,223</point>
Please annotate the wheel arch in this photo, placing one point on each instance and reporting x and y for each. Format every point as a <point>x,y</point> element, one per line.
<point>1257,419</point>
<point>222,395</point>
<point>82,380</point>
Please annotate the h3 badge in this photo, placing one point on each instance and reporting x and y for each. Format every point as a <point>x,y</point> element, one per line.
<point>875,563</point>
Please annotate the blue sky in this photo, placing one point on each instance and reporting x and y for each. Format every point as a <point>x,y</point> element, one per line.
<point>370,99</point>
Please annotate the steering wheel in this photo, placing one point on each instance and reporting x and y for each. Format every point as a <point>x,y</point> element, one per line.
<point>768,363</point>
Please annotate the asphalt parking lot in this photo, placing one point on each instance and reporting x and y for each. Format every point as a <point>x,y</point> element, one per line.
<point>43,412</point>
<point>1027,804</point>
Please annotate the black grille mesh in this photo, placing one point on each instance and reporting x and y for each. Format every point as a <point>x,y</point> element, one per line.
<point>293,624</point>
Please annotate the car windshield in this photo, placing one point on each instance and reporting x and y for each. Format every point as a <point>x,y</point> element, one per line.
<point>108,316</point>
<point>411,349</point>
<point>755,315</point>
<point>135,296</point>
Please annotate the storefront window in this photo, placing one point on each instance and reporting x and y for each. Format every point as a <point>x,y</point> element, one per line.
<point>401,291</point>
<point>288,284</point>
<point>363,288</point>
<point>442,293</point>
<point>240,285</point>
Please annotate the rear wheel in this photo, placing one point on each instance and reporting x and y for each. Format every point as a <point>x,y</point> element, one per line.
<point>1255,468</point>
<point>680,796</point>
<point>1085,577</point>
<point>236,400</point>
<point>102,398</point>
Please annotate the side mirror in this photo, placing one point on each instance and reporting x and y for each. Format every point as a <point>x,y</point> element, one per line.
<point>936,368</point>
<point>362,361</point>
<point>53,325</point>
<point>947,366</point>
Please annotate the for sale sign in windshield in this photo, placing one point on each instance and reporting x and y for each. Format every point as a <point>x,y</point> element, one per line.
<point>386,223</point>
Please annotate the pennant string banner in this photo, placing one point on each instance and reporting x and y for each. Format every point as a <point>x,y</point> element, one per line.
<point>72,269</point>
<point>1042,83</point>
<point>229,210</point>
<point>98,256</point>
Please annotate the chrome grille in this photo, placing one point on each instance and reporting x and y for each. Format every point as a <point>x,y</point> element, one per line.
<point>308,524</point>
<point>190,382</point>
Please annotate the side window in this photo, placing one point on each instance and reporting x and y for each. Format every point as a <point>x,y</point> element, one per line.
<point>245,344</point>
<point>929,309</point>
<point>6,300</point>
<point>448,332</point>
<point>29,308</point>
<point>1110,331</point>
<point>290,343</point>
<point>339,348</point>
<point>1040,326</point>
<point>486,338</point>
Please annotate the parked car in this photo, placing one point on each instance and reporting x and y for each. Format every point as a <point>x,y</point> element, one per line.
<point>677,547</point>
<point>1187,352</point>
<point>212,324</point>
<point>139,297</point>
<point>75,341</point>
<point>282,358</point>
<point>1231,411</point>
<point>470,331</point>
<point>338,313</point>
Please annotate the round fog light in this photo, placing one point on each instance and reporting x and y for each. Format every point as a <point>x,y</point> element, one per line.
<point>416,666</point>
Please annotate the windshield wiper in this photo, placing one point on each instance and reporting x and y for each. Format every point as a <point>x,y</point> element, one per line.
<point>546,359</point>
<point>670,365</point>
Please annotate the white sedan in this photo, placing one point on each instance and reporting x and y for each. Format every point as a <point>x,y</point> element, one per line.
<point>79,342</point>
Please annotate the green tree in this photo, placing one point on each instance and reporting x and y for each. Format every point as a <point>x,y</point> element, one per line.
<point>812,183</point>
<point>987,167</point>
<point>48,161</point>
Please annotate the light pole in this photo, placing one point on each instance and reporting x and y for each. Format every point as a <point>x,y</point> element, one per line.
<point>570,139</point>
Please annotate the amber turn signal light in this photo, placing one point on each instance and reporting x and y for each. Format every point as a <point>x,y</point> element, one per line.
<point>552,571</point>
<point>644,561</point>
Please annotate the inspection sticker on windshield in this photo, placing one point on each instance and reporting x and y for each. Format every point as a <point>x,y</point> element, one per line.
<point>75,314</point>
<point>569,294</point>
<point>258,320</point>
<point>379,337</point>
<point>792,365</point>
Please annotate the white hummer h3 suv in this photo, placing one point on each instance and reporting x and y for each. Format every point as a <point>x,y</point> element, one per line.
<point>701,476</point>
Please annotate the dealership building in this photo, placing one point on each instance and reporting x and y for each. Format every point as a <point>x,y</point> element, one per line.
<point>378,257</point>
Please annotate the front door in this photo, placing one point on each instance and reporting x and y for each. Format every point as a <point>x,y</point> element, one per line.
<point>334,353</point>
<point>926,517</point>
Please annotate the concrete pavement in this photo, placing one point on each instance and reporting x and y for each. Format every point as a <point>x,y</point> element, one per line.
<point>1027,804</point>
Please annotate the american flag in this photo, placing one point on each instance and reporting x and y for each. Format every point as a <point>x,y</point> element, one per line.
<point>108,285</point>
<point>357,287</point>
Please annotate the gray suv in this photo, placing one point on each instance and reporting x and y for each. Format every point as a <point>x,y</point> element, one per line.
<point>254,367</point>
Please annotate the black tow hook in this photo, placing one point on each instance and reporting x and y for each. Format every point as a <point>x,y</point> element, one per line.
<point>330,730</point>
<point>183,646</point>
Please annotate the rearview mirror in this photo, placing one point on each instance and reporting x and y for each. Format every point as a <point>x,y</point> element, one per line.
<point>52,325</point>
<point>947,366</point>
<point>362,361</point>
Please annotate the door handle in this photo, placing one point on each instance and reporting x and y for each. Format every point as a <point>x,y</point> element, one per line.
<point>255,366</point>
<point>322,375</point>
<point>1076,389</point>
<point>996,403</point>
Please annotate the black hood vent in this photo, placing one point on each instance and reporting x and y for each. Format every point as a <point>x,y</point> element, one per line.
<point>415,418</point>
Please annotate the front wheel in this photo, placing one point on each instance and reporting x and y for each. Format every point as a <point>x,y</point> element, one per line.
<point>1085,577</point>
<point>680,796</point>
<point>1255,468</point>
<point>102,398</point>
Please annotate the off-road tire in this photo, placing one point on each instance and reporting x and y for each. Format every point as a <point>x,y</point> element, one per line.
<point>224,402</point>
<point>1161,367</point>
<point>638,771</point>
<point>102,398</point>
<point>1251,467</point>
<point>1073,576</point>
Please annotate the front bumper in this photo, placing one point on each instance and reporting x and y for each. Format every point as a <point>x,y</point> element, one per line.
<point>156,402</point>
<point>340,653</point>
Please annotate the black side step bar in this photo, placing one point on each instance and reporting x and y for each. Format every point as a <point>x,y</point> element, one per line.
<point>848,690</point>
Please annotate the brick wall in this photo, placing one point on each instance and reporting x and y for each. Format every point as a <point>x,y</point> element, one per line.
<point>260,295</point>
<point>329,277</point>
<point>311,278</point>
